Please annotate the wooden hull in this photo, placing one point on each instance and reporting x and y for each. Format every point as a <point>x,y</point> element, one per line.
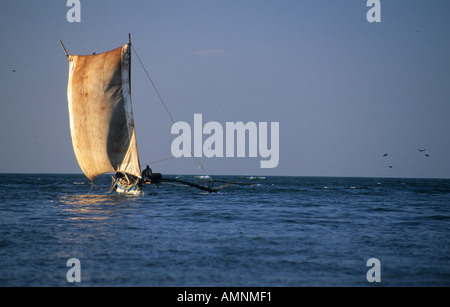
<point>123,187</point>
<point>133,190</point>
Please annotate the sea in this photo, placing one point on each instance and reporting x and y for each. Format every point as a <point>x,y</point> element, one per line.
<point>60,230</point>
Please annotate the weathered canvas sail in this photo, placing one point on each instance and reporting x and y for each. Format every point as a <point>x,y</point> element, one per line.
<point>101,116</point>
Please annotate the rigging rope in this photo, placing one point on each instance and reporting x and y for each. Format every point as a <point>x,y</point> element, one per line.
<point>161,160</point>
<point>165,107</point>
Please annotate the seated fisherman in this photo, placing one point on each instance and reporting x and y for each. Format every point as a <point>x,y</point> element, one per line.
<point>147,172</point>
<point>154,178</point>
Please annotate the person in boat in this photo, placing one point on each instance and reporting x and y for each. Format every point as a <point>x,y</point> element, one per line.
<point>147,172</point>
<point>148,175</point>
<point>126,179</point>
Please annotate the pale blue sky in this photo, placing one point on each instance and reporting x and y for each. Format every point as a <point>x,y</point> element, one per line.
<point>344,91</point>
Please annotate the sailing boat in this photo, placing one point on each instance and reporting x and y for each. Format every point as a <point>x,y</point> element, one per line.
<point>101,121</point>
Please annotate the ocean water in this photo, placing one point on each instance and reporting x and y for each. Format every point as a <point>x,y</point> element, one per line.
<point>282,232</point>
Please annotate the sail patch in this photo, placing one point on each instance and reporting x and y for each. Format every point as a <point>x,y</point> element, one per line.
<point>101,116</point>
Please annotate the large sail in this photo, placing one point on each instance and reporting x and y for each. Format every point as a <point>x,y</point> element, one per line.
<point>101,116</point>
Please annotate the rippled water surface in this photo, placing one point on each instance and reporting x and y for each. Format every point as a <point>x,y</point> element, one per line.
<point>283,231</point>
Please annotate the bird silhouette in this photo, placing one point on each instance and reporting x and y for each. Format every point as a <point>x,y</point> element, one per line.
<point>421,150</point>
<point>385,155</point>
<point>427,155</point>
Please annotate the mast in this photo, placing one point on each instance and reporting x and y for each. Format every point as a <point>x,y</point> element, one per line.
<point>65,51</point>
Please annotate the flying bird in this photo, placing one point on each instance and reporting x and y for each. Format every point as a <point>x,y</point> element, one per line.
<point>385,155</point>
<point>427,155</point>
<point>13,70</point>
<point>421,150</point>
<point>390,166</point>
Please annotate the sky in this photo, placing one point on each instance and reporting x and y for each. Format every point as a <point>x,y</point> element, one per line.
<point>344,91</point>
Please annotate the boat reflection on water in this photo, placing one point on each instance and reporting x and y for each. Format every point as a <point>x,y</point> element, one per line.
<point>91,206</point>
<point>88,224</point>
